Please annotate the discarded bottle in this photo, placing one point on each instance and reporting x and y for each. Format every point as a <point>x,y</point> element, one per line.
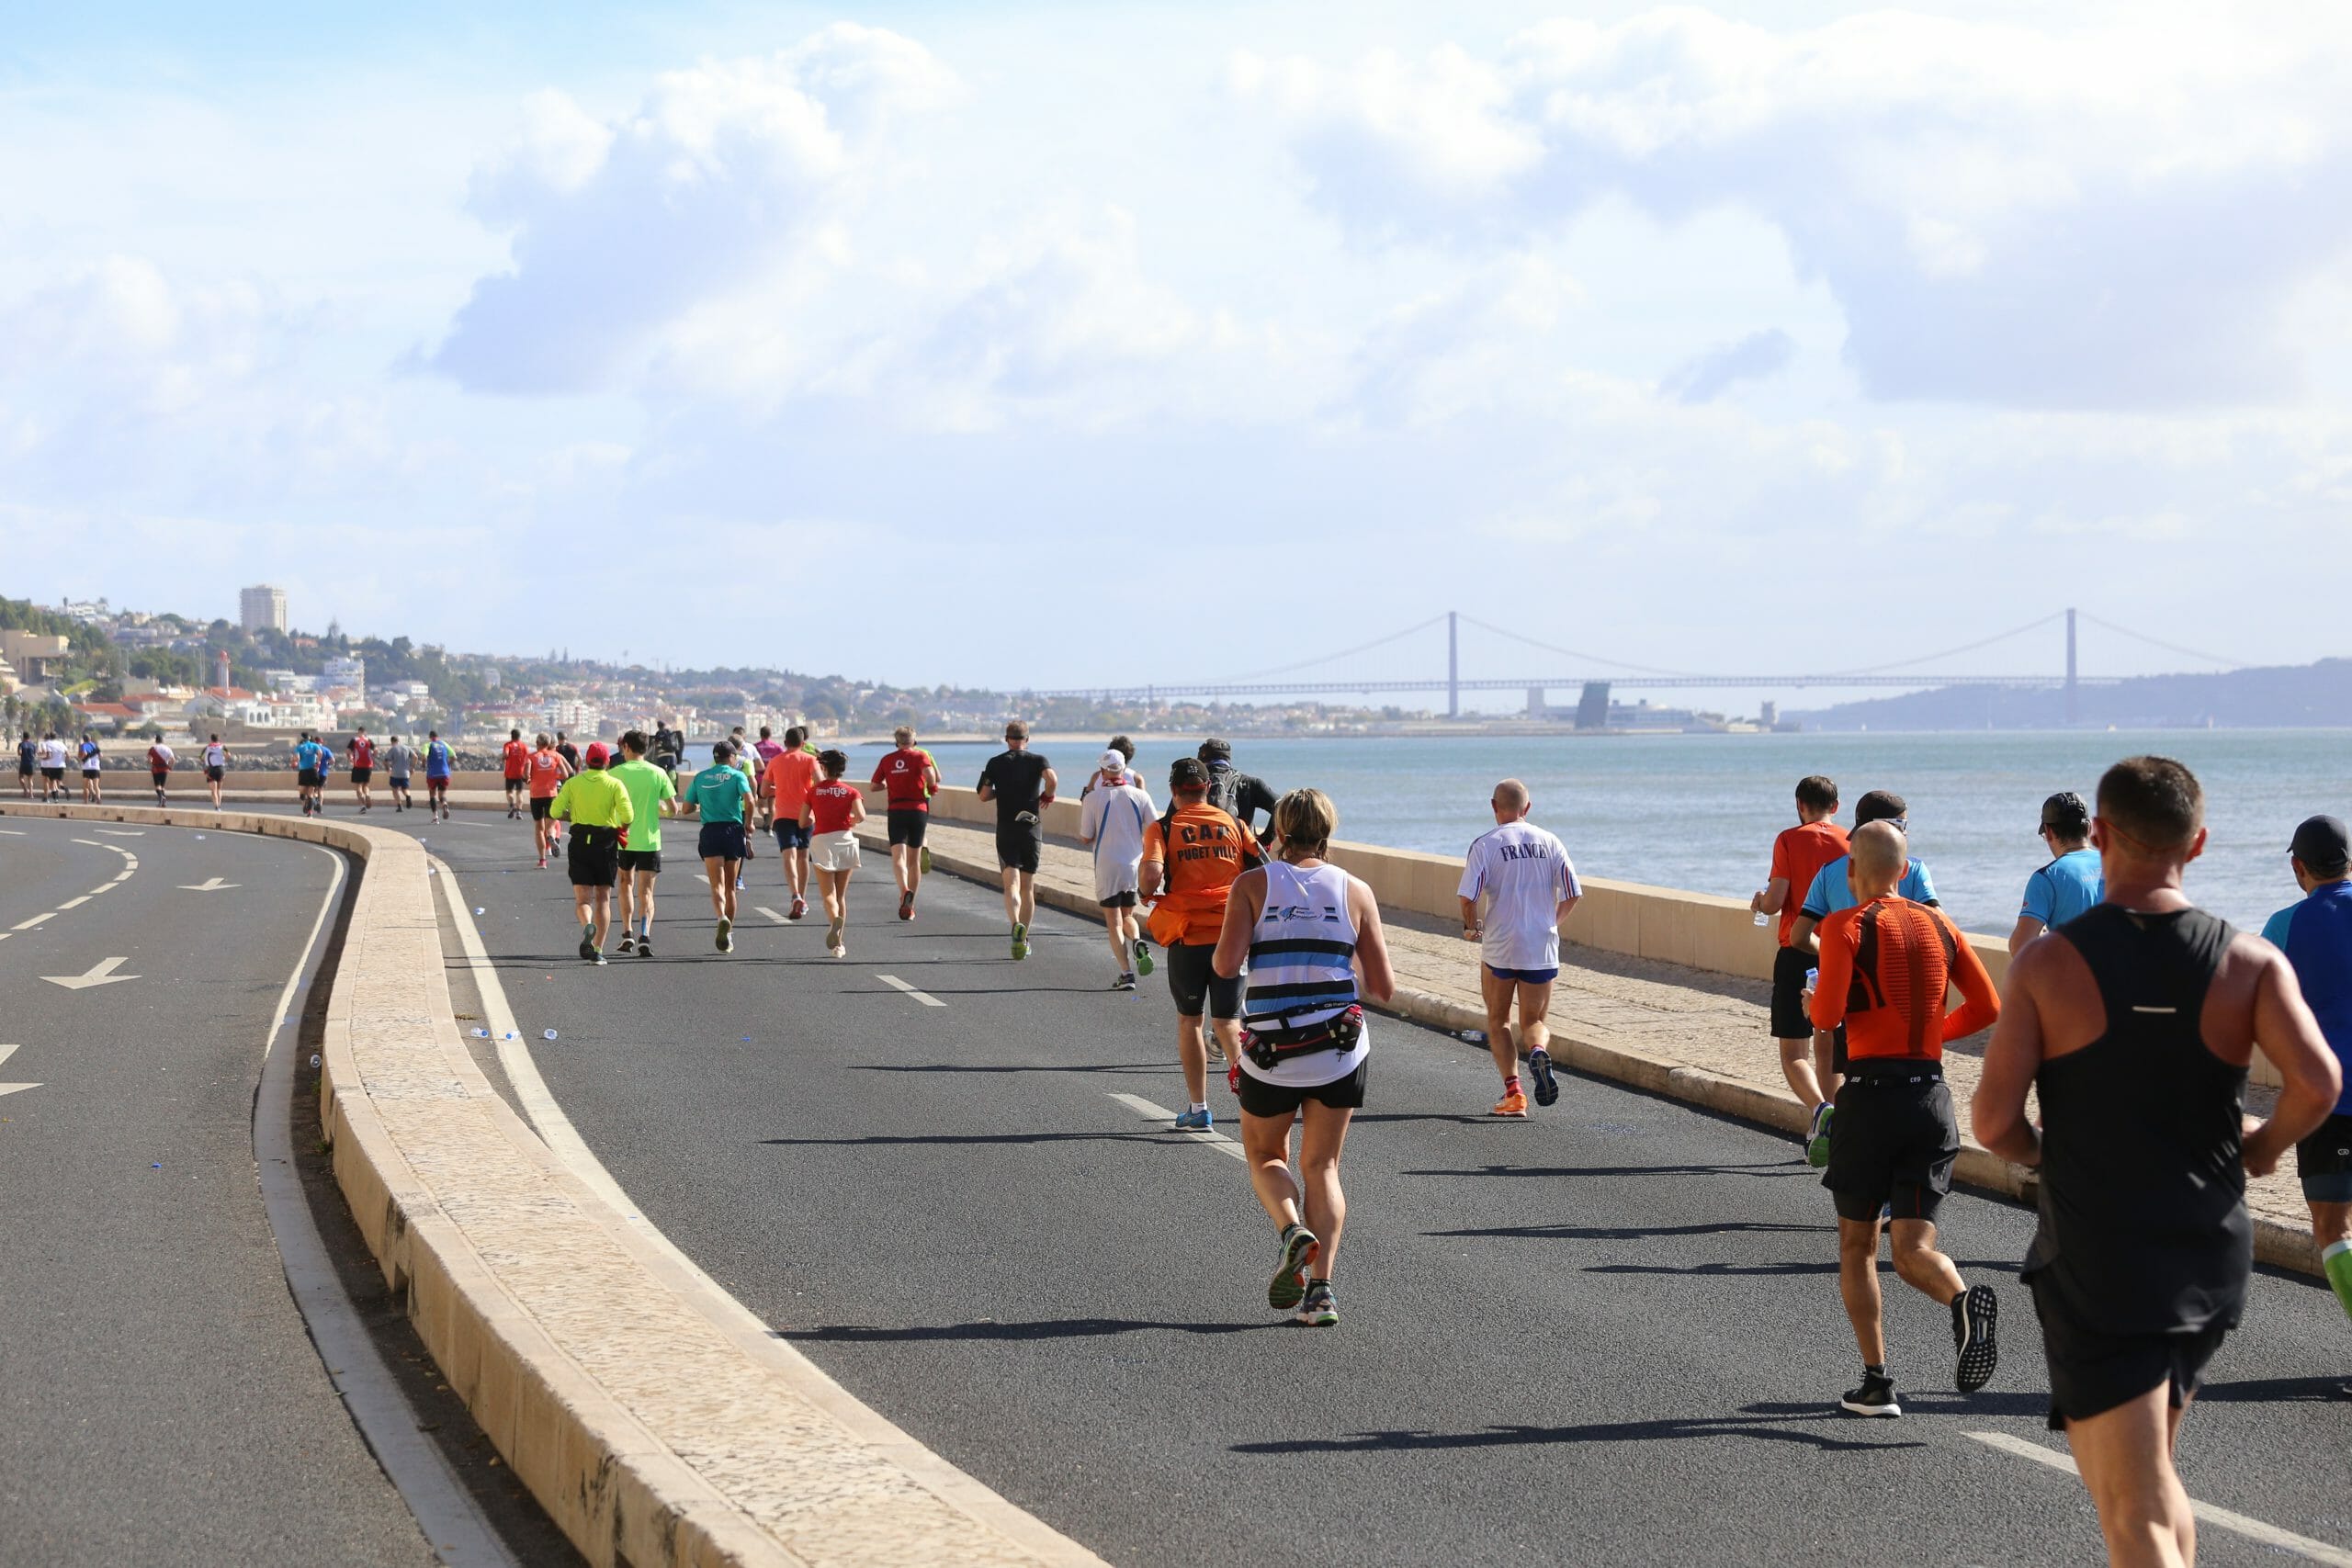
<point>314,1058</point>
<point>1475,1036</point>
<point>481,1034</point>
<point>547,1034</point>
<point>478,909</point>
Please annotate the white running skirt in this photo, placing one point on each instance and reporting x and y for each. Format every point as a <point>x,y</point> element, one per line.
<point>833,852</point>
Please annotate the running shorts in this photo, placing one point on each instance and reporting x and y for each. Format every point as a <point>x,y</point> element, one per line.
<point>1196,987</point>
<point>791,833</point>
<point>2092,1371</point>
<point>2325,1161</point>
<point>541,805</point>
<point>436,781</point>
<point>24,769</point>
<point>594,856</point>
<point>1893,1140</point>
<point>307,778</point>
<point>907,825</point>
<point>1260,1097</point>
<point>720,840</point>
<point>212,775</point>
<point>834,851</point>
<point>54,775</point>
<point>516,781</point>
<point>1524,976</point>
<point>640,860</point>
<point>1018,847</point>
<point>361,775</point>
<point>1119,900</point>
<point>399,780</point>
<point>161,778</point>
<point>1790,1020</point>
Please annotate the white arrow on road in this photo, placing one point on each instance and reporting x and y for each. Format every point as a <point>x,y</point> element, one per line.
<point>213,885</point>
<point>102,973</point>
<point>6,1051</point>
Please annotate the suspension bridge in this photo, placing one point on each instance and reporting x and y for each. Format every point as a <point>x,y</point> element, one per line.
<point>1596,677</point>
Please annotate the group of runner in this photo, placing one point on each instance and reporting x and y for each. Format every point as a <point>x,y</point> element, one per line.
<point>314,759</point>
<point>51,758</point>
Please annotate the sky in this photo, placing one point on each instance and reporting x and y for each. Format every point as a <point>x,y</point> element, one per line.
<point>1039,345</point>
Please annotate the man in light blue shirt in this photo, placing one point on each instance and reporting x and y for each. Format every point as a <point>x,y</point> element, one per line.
<point>311,763</point>
<point>1833,890</point>
<point>2072,882</point>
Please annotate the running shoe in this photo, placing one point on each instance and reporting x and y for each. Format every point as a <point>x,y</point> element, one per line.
<point>833,938</point>
<point>800,907</point>
<point>1143,956</point>
<point>1816,1140</point>
<point>725,936</point>
<point>1512,1104</point>
<point>1020,942</point>
<point>1538,1068</point>
<point>1973,1318</point>
<point>1299,1249</point>
<point>587,942</point>
<point>1875,1397</point>
<point>543,862</point>
<point>600,961</point>
<point>1194,1120</point>
<point>1124,982</point>
<point>1319,1309</point>
<point>906,906</point>
<point>1216,1046</point>
<point>628,942</point>
<point>645,947</point>
<point>926,858</point>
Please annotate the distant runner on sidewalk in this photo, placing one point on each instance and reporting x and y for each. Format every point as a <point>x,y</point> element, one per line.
<point>544,774</point>
<point>311,761</point>
<point>721,797</point>
<point>650,795</point>
<point>1887,968</point>
<point>2071,884</point>
<point>1238,794</point>
<point>832,813</point>
<point>216,768</point>
<point>790,775</point>
<point>160,757</point>
<point>362,753</point>
<point>517,759</point>
<point>907,777</point>
<point>1022,783</point>
<point>1111,818</point>
<point>1798,855</point>
<point>1306,929</point>
<point>438,765</point>
<point>1518,884</point>
<point>599,810</point>
<point>2135,1024</point>
<point>2316,937</point>
<point>1191,854</point>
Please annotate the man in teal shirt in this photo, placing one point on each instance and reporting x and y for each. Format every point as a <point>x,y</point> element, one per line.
<point>649,790</point>
<point>2072,881</point>
<point>721,795</point>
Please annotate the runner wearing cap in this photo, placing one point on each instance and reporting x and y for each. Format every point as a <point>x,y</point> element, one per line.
<point>2069,885</point>
<point>160,757</point>
<point>830,814</point>
<point>907,777</point>
<point>516,757</point>
<point>1191,855</point>
<point>599,810</point>
<point>791,774</point>
<point>1022,783</point>
<point>1112,815</point>
<point>362,753</point>
<point>1887,967</point>
<point>545,772</point>
<point>216,767</point>
<point>2134,1025</point>
<point>650,795</point>
<point>721,797</point>
<point>1238,794</point>
<point>2316,937</point>
<point>1807,1055</point>
<point>438,763</point>
<point>1518,884</point>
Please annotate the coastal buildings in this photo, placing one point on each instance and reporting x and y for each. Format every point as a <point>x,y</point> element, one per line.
<point>262,608</point>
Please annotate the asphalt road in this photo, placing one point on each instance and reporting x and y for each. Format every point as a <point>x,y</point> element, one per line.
<point>1609,1334</point>
<point>159,1398</point>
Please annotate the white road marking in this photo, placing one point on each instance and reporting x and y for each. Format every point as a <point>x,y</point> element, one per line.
<point>27,925</point>
<point>925,997</point>
<point>771,914</point>
<point>121,832</point>
<point>2228,1519</point>
<point>13,832</point>
<point>73,903</point>
<point>1224,1145</point>
<point>210,885</point>
<point>102,973</point>
<point>6,1051</point>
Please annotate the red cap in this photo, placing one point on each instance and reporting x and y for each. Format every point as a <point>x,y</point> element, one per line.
<point>599,754</point>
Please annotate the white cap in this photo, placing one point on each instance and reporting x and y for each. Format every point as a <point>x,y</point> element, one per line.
<point>1113,761</point>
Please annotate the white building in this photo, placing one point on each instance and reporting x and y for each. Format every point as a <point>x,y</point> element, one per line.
<point>262,607</point>
<point>573,716</point>
<point>345,675</point>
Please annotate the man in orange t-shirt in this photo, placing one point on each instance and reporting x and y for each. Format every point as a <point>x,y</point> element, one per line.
<point>1807,1059</point>
<point>517,757</point>
<point>785,784</point>
<point>1188,886</point>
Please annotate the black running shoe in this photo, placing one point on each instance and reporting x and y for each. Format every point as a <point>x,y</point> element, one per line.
<point>1973,1317</point>
<point>1299,1248</point>
<point>629,943</point>
<point>587,944</point>
<point>645,947</point>
<point>1538,1068</point>
<point>1875,1397</point>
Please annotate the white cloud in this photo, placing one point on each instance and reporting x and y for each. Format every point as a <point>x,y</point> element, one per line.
<point>1757,356</point>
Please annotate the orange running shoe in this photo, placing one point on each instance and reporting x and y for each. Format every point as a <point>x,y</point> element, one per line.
<point>1512,1104</point>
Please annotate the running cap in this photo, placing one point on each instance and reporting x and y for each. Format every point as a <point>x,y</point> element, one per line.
<point>1215,750</point>
<point>2066,814</point>
<point>2323,845</point>
<point>1113,761</point>
<point>1188,773</point>
<point>597,754</point>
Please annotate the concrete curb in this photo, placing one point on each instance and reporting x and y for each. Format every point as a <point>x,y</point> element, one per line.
<point>656,1427</point>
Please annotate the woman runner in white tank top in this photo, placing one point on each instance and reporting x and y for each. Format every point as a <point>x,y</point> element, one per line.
<point>1311,936</point>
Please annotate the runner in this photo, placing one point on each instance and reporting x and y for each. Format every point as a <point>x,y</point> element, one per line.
<point>362,753</point>
<point>600,811</point>
<point>311,760</point>
<point>216,768</point>
<point>790,775</point>
<point>1112,816</point>
<point>52,767</point>
<point>567,751</point>
<point>1022,783</point>
<point>743,765</point>
<point>1188,886</point>
<point>721,797</point>
<point>1238,794</point>
<point>27,752</point>
<point>1127,774</point>
<point>93,766</point>
<point>543,775</point>
<point>669,745</point>
<point>907,777</point>
<point>650,793</point>
<point>160,757</point>
<point>765,749</point>
<point>2070,884</point>
<point>1887,967</point>
<point>1798,855</point>
<point>438,762</point>
<point>1306,930</point>
<point>516,757</point>
<point>830,817</point>
<point>1522,878</point>
<point>2135,1024</point>
<point>2316,937</point>
<point>397,759</point>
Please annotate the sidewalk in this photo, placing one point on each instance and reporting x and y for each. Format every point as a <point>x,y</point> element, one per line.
<point>1688,1033</point>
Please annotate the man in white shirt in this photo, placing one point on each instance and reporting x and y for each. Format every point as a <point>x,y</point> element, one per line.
<point>1517,886</point>
<point>52,768</point>
<point>1112,821</point>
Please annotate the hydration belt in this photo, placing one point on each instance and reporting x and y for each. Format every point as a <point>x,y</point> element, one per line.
<point>1268,1046</point>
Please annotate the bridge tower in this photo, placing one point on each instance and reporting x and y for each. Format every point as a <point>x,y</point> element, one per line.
<point>1452,664</point>
<point>2074,712</point>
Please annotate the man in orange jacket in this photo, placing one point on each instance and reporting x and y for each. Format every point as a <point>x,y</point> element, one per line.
<point>1191,857</point>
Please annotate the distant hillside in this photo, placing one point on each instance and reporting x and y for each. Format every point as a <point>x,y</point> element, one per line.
<point>2293,696</point>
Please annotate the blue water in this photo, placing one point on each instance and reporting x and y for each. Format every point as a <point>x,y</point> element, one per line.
<point>1699,811</point>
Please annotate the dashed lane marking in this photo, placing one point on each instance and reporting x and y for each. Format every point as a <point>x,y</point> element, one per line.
<point>27,925</point>
<point>74,903</point>
<point>925,997</point>
<point>1223,1144</point>
<point>771,914</point>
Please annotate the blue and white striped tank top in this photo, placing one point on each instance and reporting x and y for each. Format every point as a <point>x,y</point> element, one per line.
<point>1302,969</point>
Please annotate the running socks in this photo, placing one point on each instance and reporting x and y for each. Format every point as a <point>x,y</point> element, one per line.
<point>2337,1261</point>
<point>1510,1085</point>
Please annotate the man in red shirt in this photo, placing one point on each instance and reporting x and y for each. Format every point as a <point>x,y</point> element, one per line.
<point>1798,855</point>
<point>907,777</point>
<point>545,770</point>
<point>517,757</point>
<point>785,784</point>
<point>362,753</point>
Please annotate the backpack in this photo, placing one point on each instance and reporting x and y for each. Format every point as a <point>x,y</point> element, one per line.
<point>1225,790</point>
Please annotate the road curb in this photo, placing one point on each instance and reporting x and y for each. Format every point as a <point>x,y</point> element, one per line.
<point>654,1427</point>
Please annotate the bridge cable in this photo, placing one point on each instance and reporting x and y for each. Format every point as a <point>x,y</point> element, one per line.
<point>1572,653</point>
<point>1948,652</point>
<point>1330,658</point>
<point>2158,642</point>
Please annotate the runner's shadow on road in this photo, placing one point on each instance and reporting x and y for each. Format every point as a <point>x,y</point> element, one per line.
<point>2274,1391</point>
<point>1767,1168</point>
<point>1633,1233</point>
<point>1703,1270</point>
<point>1007,1068</point>
<point>1676,1429</point>
<point>1460,1120</point>
<point>879,1139</point>
<point>989,1329</point>
<point>2035,1403</point>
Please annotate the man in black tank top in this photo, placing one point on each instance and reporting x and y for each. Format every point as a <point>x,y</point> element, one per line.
<point>2136,1026</point>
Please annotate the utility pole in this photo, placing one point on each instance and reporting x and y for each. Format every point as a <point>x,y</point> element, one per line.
<point>2074,712</point>
<point>1452,664</point>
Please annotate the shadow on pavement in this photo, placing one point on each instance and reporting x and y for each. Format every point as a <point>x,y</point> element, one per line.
<point>1763,1168</point>
<point>1634,1233</point>
<point>1673,1429</point>
<point>1144,1137</point>
<point>988,1329</point>
<point>2273,1391</point>
<point>893,1068</point>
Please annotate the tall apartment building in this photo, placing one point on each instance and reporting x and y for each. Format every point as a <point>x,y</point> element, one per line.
<point>262,606</point>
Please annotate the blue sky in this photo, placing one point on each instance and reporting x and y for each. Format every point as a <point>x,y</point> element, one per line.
<point>1044,344</point>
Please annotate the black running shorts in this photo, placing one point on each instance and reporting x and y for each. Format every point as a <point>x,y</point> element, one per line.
<point>1119,900</point>
<point>307,778</point>
<point>161,779</point>
<point>54,775</point>
<point>1018,847</point>
<point>1260,1097</point>
<point>1894,1139</point>
<point>541,805</point>
<point>2324,1160</point>
<point>1196,987</point>
<point>594,856</point>
<point>720,840</point>
<point>1790,1020</point>
<point>212,775</point>
<point>640,860</point>
<point>361,775</point>
<point>790,834</point>
<point>907,826</point>
<point>2092,1371</point>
